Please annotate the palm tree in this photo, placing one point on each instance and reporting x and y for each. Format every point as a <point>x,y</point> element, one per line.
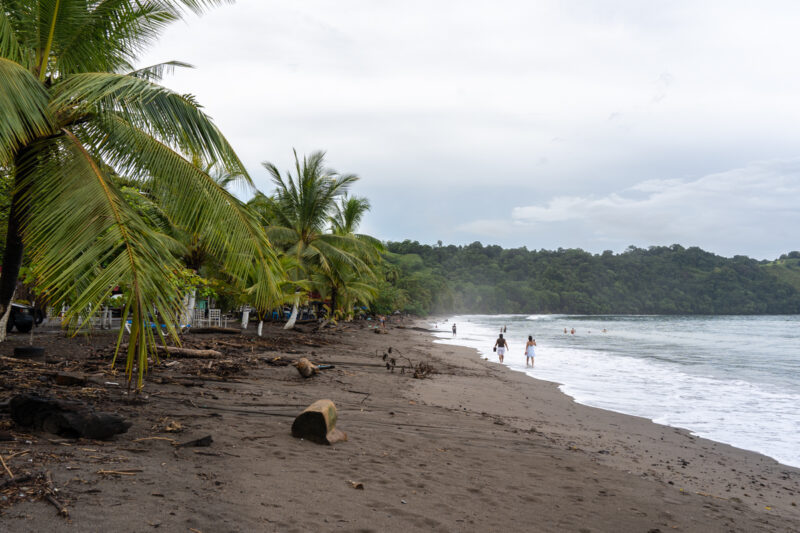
<point>351,285</point>
<point>73,108</point>
<point>298,216</point>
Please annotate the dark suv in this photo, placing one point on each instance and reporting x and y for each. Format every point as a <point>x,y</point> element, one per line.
<point>23,317</point>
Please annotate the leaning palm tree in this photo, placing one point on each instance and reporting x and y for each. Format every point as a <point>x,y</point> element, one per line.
<point>73,107</point>
<point>299,215</point>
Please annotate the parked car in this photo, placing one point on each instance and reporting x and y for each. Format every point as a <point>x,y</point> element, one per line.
<point>23,317</point>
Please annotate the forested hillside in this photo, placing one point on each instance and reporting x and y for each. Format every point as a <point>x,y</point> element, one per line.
<point>657,280</point>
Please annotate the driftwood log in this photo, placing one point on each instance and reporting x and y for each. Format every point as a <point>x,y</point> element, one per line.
<point>189,353</point>
<point>318,424</point>
<point>68,419</point>
<point>306,367</point>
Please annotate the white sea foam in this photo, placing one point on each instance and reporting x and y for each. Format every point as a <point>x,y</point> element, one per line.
<point>702,374</point>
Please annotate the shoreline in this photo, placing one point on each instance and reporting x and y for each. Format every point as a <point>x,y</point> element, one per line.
<point>476,447</point>
<point>558,386</point>
<point>730,417</point>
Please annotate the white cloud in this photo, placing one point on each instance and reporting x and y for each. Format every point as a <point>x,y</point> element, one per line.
<point>726,211</point>
<point>604,108</point>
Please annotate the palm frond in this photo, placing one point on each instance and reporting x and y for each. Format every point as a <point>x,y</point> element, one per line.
<point>155,73</point>
<point>24,115</point>
<point>371,242</point>
<point>175,119</point>
<point>84,239</point>
<point>9,43</point>
<point>348,214</point>
<point>108,35</point>
<point>188,195</point>
<point>329,255</point>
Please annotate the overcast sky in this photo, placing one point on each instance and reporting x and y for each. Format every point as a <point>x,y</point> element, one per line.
<point>546,124</point>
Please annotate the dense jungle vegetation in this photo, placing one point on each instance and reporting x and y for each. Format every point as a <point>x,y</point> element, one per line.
<point>657,280</point>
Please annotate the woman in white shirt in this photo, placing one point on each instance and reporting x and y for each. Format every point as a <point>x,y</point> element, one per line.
<point>529,350</point>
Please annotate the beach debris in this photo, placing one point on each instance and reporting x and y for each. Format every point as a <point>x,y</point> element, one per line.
<point>127,472</point>
<point>420,370</point>
<point>50,495</point>
<point>202,442</point>
<point>171,441</point>
<point>317,423</point>
<point>305,367</point>
<point>16,481</point>
<point>173,426</point>
<point>67,419</point>
<point>5,467</point>
<point>366,394</point>
<point>189,353</point>
<point>34,353</point>
<point>423,370</point>
<point>355,484</point>
<point>69,379</point>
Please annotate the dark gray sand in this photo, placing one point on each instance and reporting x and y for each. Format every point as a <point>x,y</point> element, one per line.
<point>476,447</point>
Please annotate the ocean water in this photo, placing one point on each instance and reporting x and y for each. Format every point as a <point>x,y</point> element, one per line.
<point>732,379</point>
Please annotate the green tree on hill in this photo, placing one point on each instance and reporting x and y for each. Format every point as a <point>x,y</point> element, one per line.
<point>657,280</point>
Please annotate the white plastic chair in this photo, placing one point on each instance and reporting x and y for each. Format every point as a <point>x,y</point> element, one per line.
<point>214,315</point>
<point>199,318</point>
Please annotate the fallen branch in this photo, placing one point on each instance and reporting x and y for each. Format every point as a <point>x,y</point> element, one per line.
<point>5,467</point>
<point>188,353</point>
<point>20,361</point>
<point>50,495</point>
<point>131,472</point>
<point>230,344</point>
<point>171,441</point>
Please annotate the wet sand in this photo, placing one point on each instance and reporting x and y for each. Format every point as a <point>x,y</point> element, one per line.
<point>476,447</point>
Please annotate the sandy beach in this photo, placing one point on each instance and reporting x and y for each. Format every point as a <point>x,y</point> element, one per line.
<point>476,447</point>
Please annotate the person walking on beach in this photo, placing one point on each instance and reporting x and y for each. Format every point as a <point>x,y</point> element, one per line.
<point>454,329</point>
<point>529,350</point>
<point>500,345</point>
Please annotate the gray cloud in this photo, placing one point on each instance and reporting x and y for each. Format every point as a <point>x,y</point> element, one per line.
<point>724,212</point>
<point>456,112</point>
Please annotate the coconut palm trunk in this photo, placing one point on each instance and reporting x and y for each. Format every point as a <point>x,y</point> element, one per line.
<point>293,316</point>
<point>334,294</point>
<point>190,299</point>
<point>12,255</point>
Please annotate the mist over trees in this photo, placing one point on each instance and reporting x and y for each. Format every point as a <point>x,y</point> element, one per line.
<point>656,280</point>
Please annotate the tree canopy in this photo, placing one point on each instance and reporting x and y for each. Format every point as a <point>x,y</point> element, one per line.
<point>657,280</point>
